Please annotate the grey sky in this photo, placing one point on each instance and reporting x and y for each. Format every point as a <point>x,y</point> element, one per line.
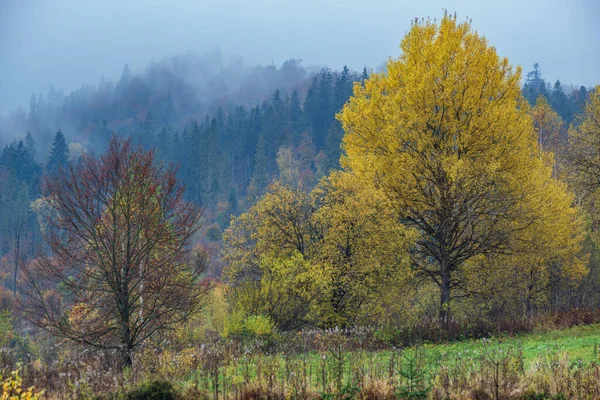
<point>71,42</point>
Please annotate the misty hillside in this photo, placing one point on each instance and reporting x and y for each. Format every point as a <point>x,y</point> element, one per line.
<point>173,91</point>
<point>230,129</point>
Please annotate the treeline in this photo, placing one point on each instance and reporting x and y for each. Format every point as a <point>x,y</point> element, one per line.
<point>172,91</point>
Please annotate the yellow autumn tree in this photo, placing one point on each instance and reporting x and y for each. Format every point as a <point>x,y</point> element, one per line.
<point>583,167</point>
<point>547,124</point>
<point>265,253</point>
<point>584,157</point>
<point>447,136</point>
<point>543,257</point>
<point>331,258</point>
<point>360,262</point>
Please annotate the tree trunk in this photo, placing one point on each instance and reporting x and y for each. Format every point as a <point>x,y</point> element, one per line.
<point>445,297</point>
<point>126,345</point>
<point>529,297</point>
<point>127,356</point>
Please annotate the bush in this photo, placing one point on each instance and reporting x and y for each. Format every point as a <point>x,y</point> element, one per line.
<point>11,389</point>
<point>214,233</point>
<point>155,390</point>
<point>258,326</point>
<point>254,326</point>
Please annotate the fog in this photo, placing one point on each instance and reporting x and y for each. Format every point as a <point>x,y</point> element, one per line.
<point>69,43</point>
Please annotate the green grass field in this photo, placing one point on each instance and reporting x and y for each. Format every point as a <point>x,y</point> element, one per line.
<point>580,343</point>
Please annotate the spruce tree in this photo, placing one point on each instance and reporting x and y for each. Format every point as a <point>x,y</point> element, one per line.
<point>535,85</point>
<point>311,107</point>
<point>30,144</point>
<point>560,103</point>
<point>59,156</point>
<point>325,109</point>
<point>295,116</point>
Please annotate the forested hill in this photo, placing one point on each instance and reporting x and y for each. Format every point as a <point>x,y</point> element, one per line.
<point>224,130</point>
<point>172,90</point>
<point>231,129</point>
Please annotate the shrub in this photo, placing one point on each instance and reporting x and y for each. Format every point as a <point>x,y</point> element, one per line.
<point>258,326</point>
<point>254,326</point>
<point>214,233</point>
<point>154,390</point>
<point>11,389</point>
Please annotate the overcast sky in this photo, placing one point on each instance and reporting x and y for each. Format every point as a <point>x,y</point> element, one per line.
<point>71,42</point>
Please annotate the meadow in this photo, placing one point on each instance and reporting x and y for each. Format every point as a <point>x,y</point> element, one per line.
<point>552,364</point>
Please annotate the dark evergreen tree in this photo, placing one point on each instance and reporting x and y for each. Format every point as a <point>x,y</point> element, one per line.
<point>233,202</point>
<point>325,115</point>
<point>19,162</point>
<point>168,110</point>
<point>343,89</point>
<point>333,149</point>
<point>59,155</point>
<point>193,156</point>
<point>535,85</point>
<point>125,79</point>
<point>175,155</point>
<point>311,107</point>
<point>260,179</point>
<point>295,116</point>
<point>220,125</point>
<point>30,144</point>
<point>145,136</point>
<point>579,99</point>
<point>163,145</point>
<point>364,76</point>
<point>560,103</point>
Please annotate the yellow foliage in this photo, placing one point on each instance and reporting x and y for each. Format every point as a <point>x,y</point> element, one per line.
<point>335,257</point>
<point>447,136</point>
<point>11,389</point>
<point>547,124</point>
<point>584,144</point>
<point>361,257</point>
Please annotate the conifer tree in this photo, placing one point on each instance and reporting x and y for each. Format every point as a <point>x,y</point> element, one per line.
<point>59,156</point>
<point>535,85</point>
<point>30,144</point>
<point>560,103</point>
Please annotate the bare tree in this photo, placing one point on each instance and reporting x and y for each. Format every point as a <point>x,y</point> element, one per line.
<point>121,267</point>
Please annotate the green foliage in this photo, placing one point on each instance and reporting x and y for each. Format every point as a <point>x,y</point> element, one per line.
<point>214,233</point>
<point>155,390</point>
<point>59,156</point>
<point>253,326</point>
<point>6,328</point>
<point>258,325</point>
<point>413,374</point>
